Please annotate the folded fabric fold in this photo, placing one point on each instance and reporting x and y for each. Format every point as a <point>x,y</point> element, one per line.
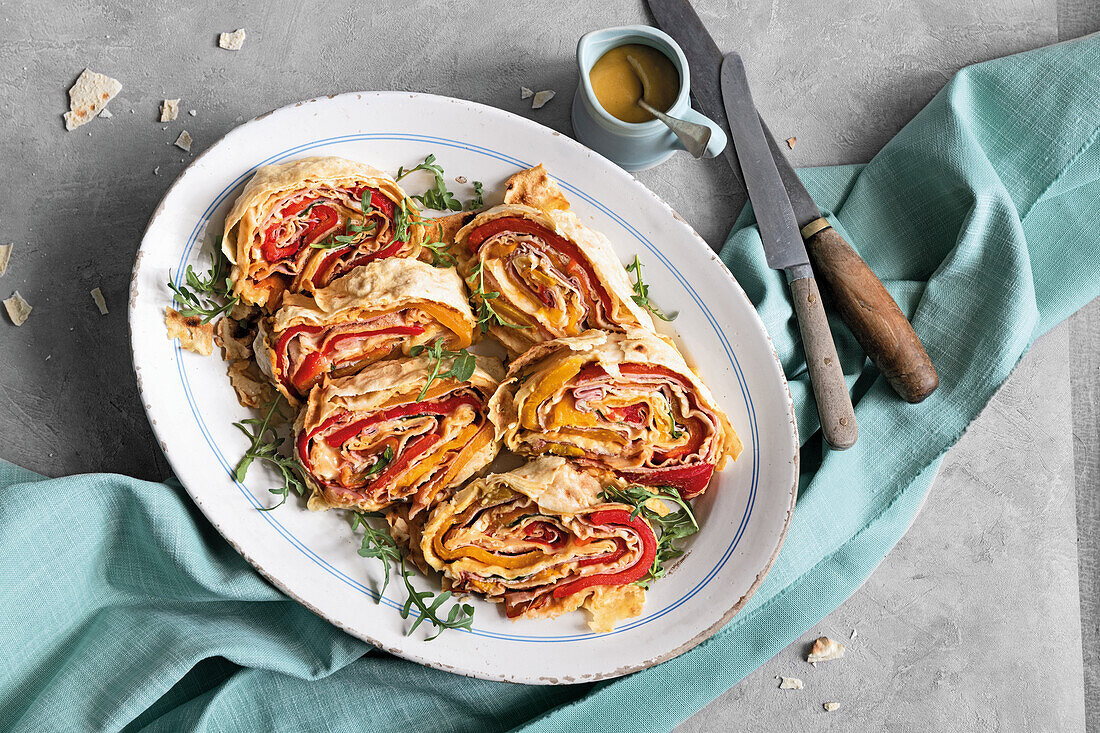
<point>124,608</point>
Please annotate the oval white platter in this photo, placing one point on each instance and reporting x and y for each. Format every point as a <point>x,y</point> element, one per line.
<point>312,556</point>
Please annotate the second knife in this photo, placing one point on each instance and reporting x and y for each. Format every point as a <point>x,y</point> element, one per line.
<point>785,251</point>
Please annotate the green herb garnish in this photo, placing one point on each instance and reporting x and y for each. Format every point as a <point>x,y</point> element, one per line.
<point>437,197</point>
<point>200,296</point>
<point>674,431</point>
<point>486,314</point>
<point>641,292</point>
<point>478,201</point>
<point>382,462</point>
<point>674,526</point>
<point>379,544</point>
<point>264,445</point>
<point>462,364</point>
<point>401,223</point>
<point>441,254</point>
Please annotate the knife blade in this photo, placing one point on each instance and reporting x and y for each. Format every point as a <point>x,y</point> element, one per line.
<point>785,251</point>
<point>864,304</point>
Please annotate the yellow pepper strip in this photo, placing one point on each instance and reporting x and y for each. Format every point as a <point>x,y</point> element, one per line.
<point>550,382</point>
<point>452,321</point>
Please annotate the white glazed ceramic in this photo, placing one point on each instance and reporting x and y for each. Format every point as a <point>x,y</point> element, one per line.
<point>312,557</point>
<point>634,145</point>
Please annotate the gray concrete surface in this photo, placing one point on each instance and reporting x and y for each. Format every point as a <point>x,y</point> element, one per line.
<point>989,563</point>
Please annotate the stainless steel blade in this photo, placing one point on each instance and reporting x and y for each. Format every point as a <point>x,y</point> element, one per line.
<point>678,19</point>
<point>774,216</point>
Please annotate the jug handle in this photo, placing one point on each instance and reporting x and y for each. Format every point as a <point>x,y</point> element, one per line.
<point>717,137</point>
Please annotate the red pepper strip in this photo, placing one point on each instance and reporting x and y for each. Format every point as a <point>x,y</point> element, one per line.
<point>445,407</point>
<point>317,363</point>
<point>577,263</point>
<point>322,218</point>
<point>313,366</point>
<point>377,200</point>
<point>629,575</point>
<point>691,479</point>
<point>284,341</point>
<point>545,533</point>
<point>630,413</point>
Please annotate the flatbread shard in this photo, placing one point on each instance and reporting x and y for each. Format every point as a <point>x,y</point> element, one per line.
<point>444,228</point>
<point>535,188</point>
<point>90,94</point>
<point>232,41</point>
<point>249,384</point>
<point>5,256</point>
<point>184,141</point>
<point>169,110</point>
<point>19,310</point>
<point>824,650</point>
<point>100,301</point>
<point>194,335</point>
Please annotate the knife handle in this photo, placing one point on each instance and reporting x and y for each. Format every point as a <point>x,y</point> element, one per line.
<point>871,314</point>
<point>834,404</point>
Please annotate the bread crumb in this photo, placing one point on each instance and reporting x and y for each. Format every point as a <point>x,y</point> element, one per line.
<point>5,256</point>
<point>169,110</point>
<point>232,41</point>
<point>790,683</point>
<point>106,114</point>
<point>525,93</point>
<point>184,141</point>
<point>194,335</point>
<point>854,632</point>
<point>541,98</point>
<point>88,96</point>
<point>19,310</point>
<point>156,171</point>
<point>192,112</point>
<point>100,302</point>
<point>824,650</point>
<point>791,141</point>
<point>831,706</point>
<point>460,179</point>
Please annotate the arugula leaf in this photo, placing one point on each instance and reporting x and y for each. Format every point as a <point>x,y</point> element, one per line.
<point>264,445</point>
<point>478,200</point>
<point>200,295</point>
<point>381,545</point>
<point>641,292</point>
<point>378,544</point>
<point>441,254</point>
<point>674,526</point>
<point>674,431</point>
<point>401,223</point>
<point>462,364</point>
<point>382,462</point>
<point>437,197</point>
<point>486,314</point>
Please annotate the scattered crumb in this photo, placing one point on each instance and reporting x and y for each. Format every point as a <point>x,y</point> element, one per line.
<point>169,110</point>
<point>831,706</point>
<point>194,335</point>
<point>5,256</point>
<point>18,309</point>
<point>106,114</point>
<point>525,93</point>
<point>232,41</point>
<point>790,683</point>
<point>156,171</point>
<point>192,112</point>
<point>824,650</point>
<point>791,141</point>
<point>184,141</point>
<point>854,632</point>
<point>541,98</point>
<point>88,96</point>
<point>460,179</point>
<point>100,302</point>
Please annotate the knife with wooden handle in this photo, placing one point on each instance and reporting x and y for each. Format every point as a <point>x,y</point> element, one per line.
<point>785,251</point>
<point>850,285</point>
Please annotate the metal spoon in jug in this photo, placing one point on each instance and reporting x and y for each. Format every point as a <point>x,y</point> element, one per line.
<point>694,137</point>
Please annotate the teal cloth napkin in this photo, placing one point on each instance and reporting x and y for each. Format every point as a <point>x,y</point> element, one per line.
<point>123,609</point>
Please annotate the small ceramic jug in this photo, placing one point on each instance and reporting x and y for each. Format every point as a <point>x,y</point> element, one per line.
<point>634,145</point>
